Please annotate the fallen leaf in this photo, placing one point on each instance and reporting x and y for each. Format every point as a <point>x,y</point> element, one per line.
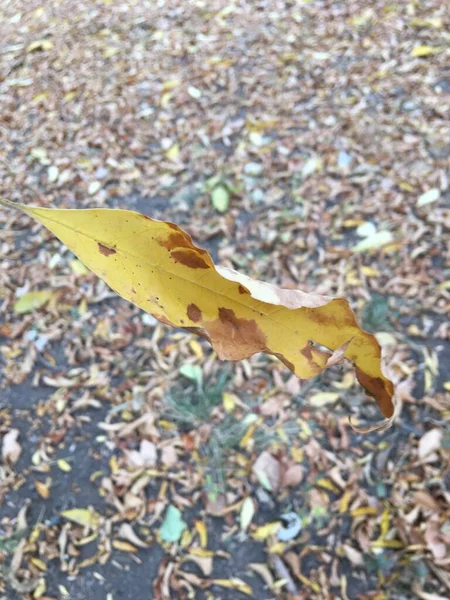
<point>323,399</point>
<point>126,532</point>
<point>423,51</point>
<point>11,449</point>
<point>82,516</point>
<point>31,301</point>
<point>429,442</point>
<point>64,465</point>
<point>234,584</point>
<point>40,45</point>
<point>293,476</point>
<point>267,470</point>
<point>173,525</point>
<point>220,198</point>
<point>263,571</point>
<point>264,531</point>
<point>247,513</point>
<point>123,546</point>
<point>43,489</point>
<point>374,241</point>
<point>429,197</point>
<point>162,271</point>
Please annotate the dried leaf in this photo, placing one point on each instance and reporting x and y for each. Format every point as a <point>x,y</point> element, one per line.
<point>234,584</point>
<point>375,241</point>
<point>11,449</point>
<point>247,513</point>
<point>82,516</point>
<point>293,476</point>
<point>429,196</point>
<point>268,471</point>
<point>430,442</point>
<point>240,316</point>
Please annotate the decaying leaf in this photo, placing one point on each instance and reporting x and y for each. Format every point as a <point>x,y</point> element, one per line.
<point>155,265</point>
<point>11,449</point>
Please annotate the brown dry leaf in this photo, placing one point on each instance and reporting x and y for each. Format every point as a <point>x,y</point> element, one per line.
<point>169,456</point>
<point>267,470</point>
<point>150,262</point>
<point>127,533</point>
<point>293,476</point>
<point>263,571</point>
<point>145,457</point>
<point>11,449</point>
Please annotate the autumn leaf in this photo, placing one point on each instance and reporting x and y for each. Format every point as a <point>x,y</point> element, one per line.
<point>155,265</point>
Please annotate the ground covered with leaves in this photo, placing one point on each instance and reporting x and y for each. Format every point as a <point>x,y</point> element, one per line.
<point>303,143</point>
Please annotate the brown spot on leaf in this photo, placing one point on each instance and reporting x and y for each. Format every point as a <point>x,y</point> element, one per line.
<point>243,290</point>
<point>194,313</point>
<point>177,239</point>
<point>316,358</point>
<point>381,389</point>
<point>235,338</point>
<point>189,258</point>
<point>105,250</point>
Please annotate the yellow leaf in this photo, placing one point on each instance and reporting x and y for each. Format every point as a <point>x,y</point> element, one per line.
<point>328,485</point>
<point>31,301</point>
<point>64,465</point>
<point>345,501</point>
<point>323,398</point>
<point>447,385</point>
<point>78,268</point>
<point>394,544</point>
<point>364,511</point>
<point>173,152</point>
<point>124,546</point>
<point>156,266</point>
<point>82,516</point>
<point>347,381</point>
<point>40,589</point>
<point>196,349</point>
<point>262,533</point>
<point>40,45</point>
<point>38,563</point>
<point>422,51</point>
<point>42,489</point>
<point>278,548</point>
<point>229,402</point>
<point>202,531</point>
<point>234,584</point>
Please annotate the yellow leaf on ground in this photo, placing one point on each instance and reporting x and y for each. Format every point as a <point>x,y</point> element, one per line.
<point>81,516</point>
<point>31,301</point>
<point>64,465</point>
<point>124,546</point>
<point>234,584</point>
<point>262,533</point>
<point>156,266</point>
<point>40,45</point>
<point>202,531</point>
<point>43,489</point>
<point>422,51</point>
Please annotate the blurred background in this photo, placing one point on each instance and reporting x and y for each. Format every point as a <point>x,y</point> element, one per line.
<point>304,143</point>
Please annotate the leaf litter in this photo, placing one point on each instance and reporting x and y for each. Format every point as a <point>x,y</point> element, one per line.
<point>310,141</point>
